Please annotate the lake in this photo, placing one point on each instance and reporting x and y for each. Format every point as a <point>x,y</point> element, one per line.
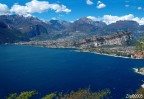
<point>24,68</point>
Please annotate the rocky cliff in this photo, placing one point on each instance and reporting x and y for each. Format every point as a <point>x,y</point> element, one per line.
<point>96,41</point>
<point>119,38</point>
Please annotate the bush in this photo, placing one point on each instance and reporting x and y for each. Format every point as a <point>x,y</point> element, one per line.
<point>80,94</point>
<point>23,95</point>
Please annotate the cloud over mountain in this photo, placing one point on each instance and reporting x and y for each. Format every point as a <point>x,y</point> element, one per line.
<point>108,19</point>
<point>93,18</point>
<point>4,10</point>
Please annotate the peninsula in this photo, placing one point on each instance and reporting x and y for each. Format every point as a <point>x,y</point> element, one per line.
<point>139,70</point>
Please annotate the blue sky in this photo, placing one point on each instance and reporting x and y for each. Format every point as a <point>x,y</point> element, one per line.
<point>75,9</point>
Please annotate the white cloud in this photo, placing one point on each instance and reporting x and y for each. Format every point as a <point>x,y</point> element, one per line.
<point>139,20</point>
<point>36,6</point>
<point>108,19</point>
<point>4,10</point>
<point>139,8</point>
<point>89,2</point>
<point>93,18</point>
<point>100,5</point>
<point>22,10</point>
<point>59,8</point>
<point>127,5</point>
<point>54,18</point>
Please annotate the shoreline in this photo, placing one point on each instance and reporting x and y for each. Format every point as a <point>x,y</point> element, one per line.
<point>110,55</point>
<point>77,50</point>
<point>136,71</point>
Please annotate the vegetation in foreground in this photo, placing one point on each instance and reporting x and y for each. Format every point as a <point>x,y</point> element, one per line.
<point>139,53</point>
<point>140,91</point>
<point>23,95</point>
<point>80,94</point>
<point>139,94</point>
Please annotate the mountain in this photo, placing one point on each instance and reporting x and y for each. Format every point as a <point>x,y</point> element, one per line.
<point>123,26</point>
<point>9,34</point>
<point>59,25</point>
<point>87,25</point>
<point>29,26</point>
<point>36,29</point>
<point>119,38</point>
<point>141,28</point>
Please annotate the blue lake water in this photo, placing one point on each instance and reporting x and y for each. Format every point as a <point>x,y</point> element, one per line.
<point>25,68</point>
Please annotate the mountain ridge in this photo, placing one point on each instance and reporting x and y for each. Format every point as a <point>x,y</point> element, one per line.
<point>36,29</point>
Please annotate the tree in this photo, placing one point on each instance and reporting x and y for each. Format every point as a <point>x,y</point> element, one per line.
<point>50,96</point>
<point>80,94</point>
<point>23,95</point>
<point>140,45</point>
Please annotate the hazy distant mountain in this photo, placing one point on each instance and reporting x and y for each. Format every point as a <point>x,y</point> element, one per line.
<point>87,25</point>
<point>141,28</point>
<point>36,29</point>
<point>122,26</point>
<point>59,25</point>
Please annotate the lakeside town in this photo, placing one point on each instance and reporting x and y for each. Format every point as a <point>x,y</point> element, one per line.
<point>112,45</point>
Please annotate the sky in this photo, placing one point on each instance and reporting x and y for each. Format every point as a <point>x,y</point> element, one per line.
<point>108,11</point>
